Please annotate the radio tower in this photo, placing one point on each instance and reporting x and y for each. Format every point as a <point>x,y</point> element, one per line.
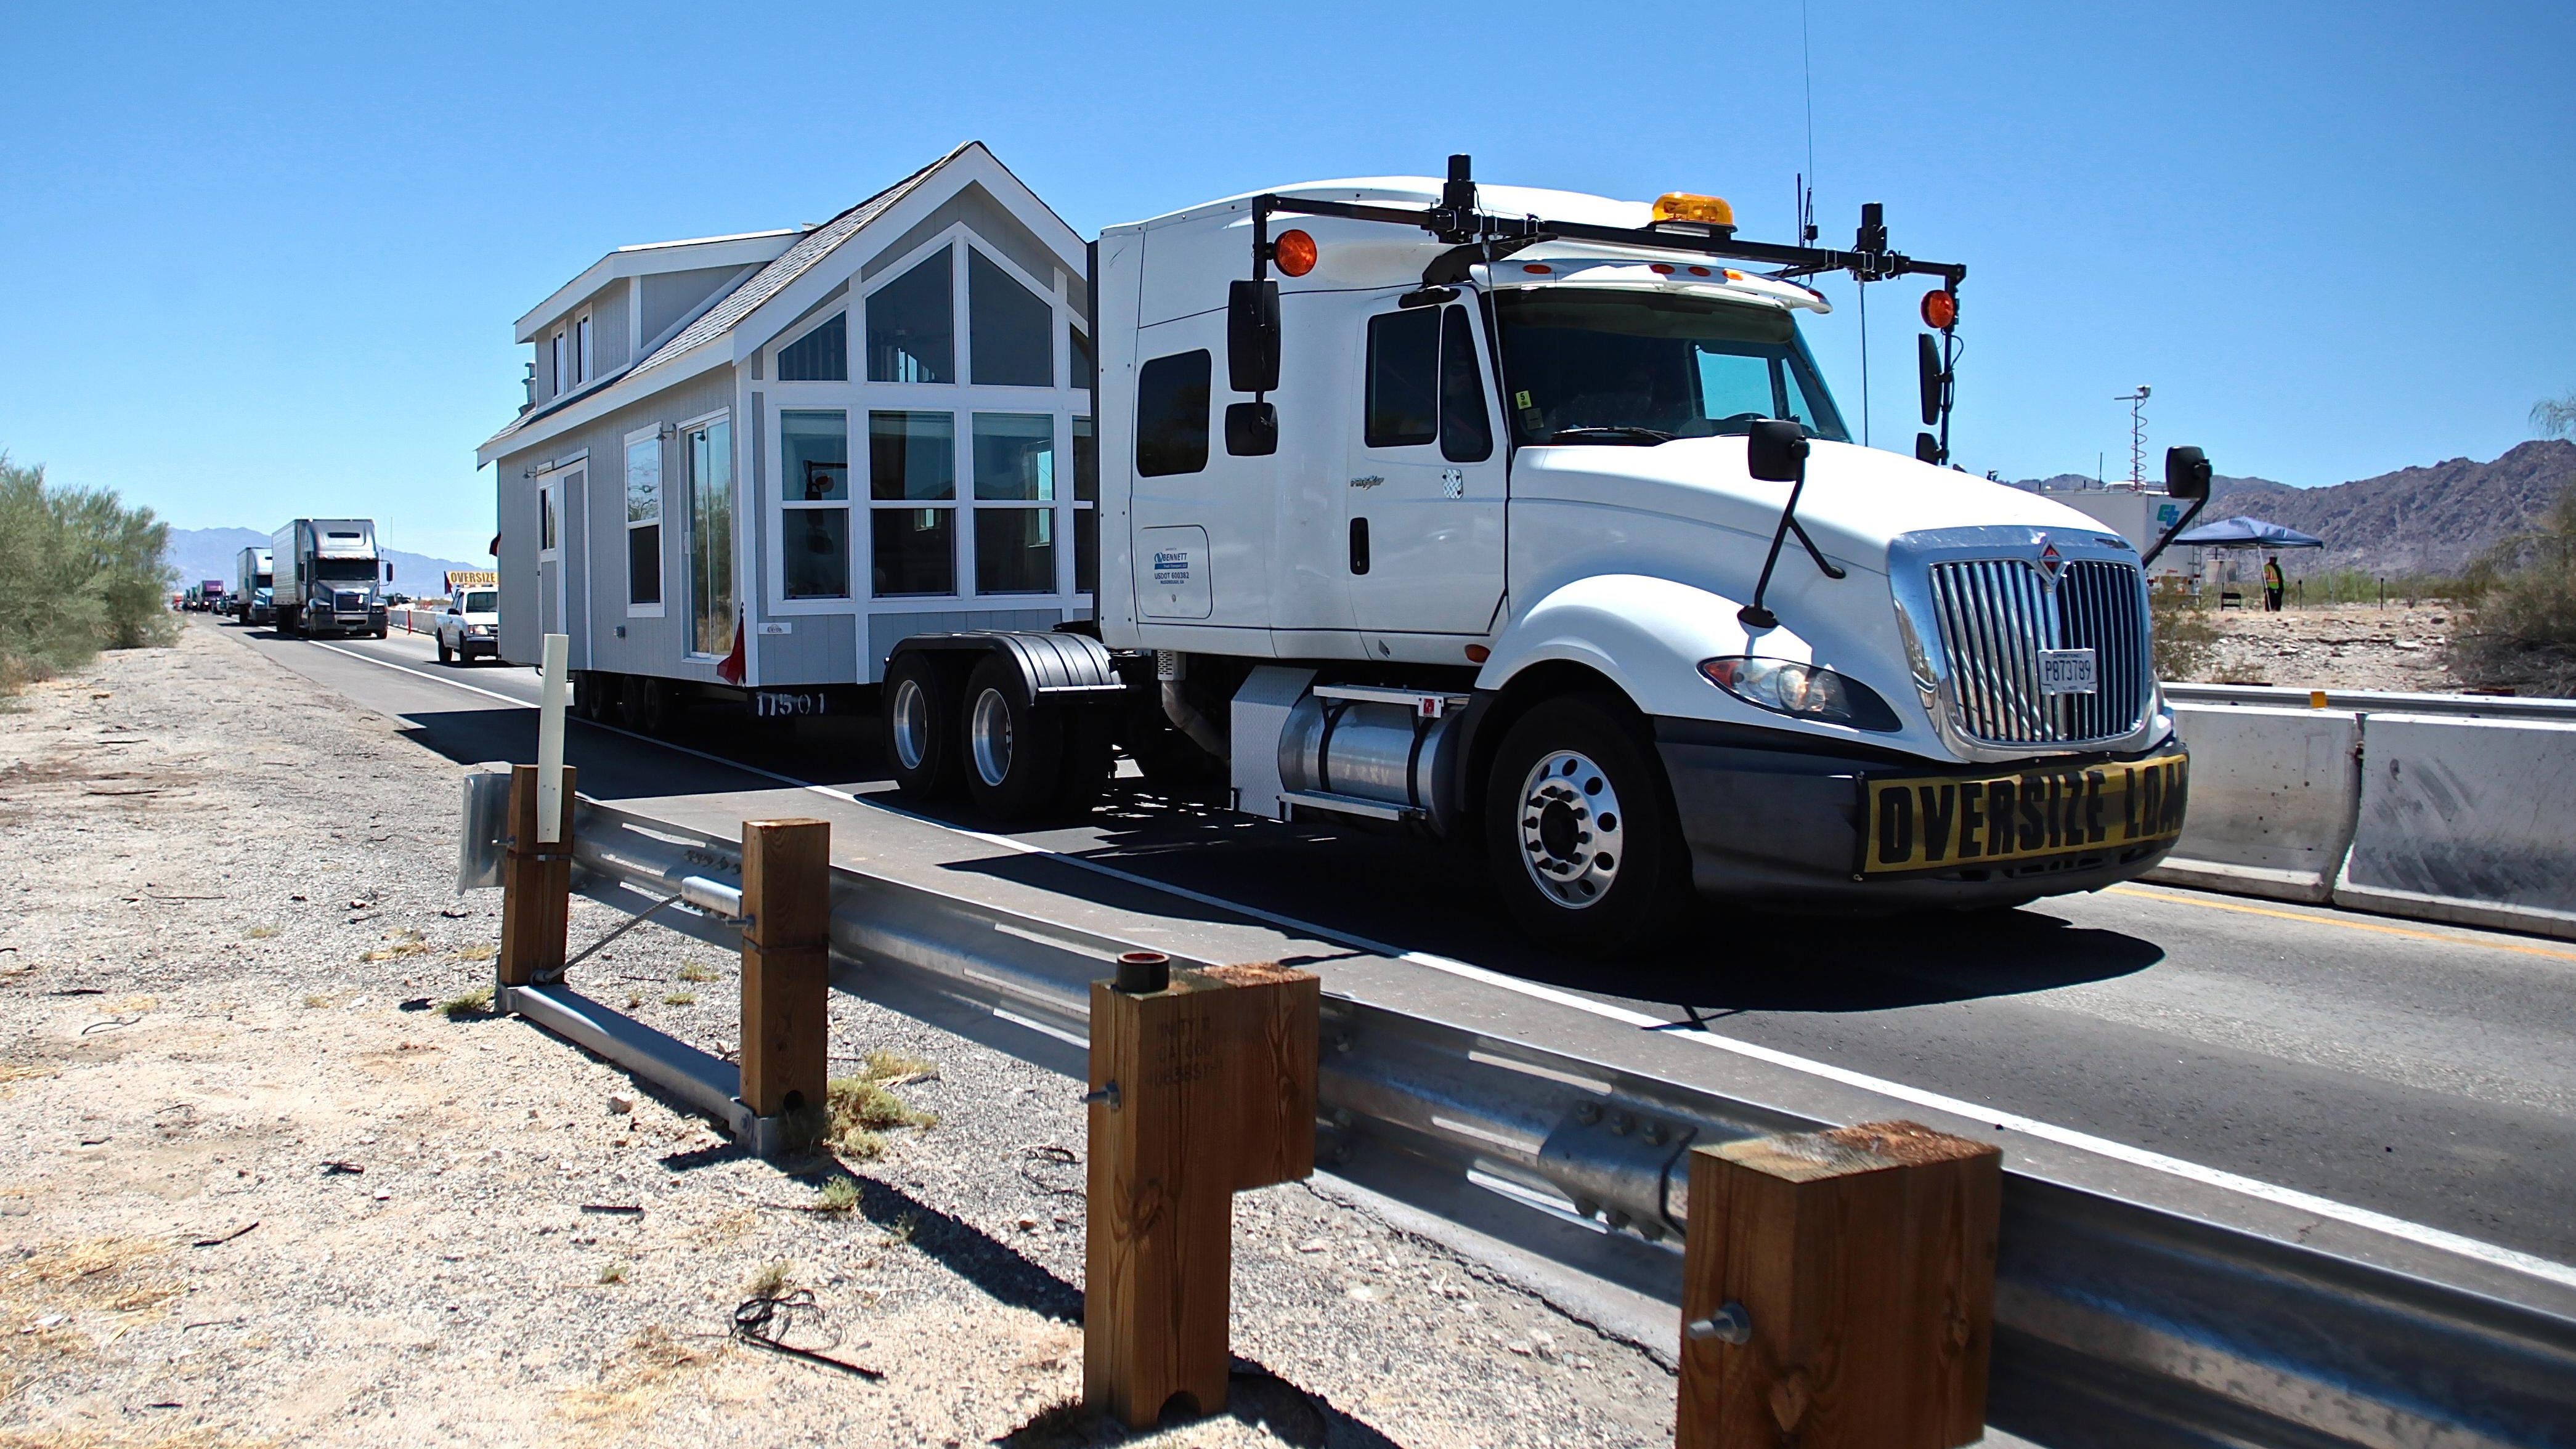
<point>2137,402</point>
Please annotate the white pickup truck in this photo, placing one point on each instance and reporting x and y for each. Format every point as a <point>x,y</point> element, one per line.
<point>469,625</point>
<point>1523,519</point>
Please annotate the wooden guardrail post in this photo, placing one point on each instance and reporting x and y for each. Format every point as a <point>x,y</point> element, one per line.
<point>536,887</point>
<point>1203,1085</point>
<point>786,978</point>
<point>1839,1290</point>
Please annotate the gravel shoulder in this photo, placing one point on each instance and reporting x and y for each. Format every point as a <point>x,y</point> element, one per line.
<point>2340,646</point>
<point>256,1186</point>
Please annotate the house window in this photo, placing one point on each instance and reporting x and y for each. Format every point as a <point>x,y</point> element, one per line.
<point>546,531</point>
<point>708,449</point>
<point>912,462</point>
<point>558,373</point>
<point>1015,467</point>
<point>1403,378</point>
<point>1086,509</point>
<point>822,355</point>
<point>1011,327</point>
<point>581,349</point>
<point>644,521</point>
<point>912,328</point>
<point>814,531</point>
<point>1172,414</point>
<point>1086,372</point>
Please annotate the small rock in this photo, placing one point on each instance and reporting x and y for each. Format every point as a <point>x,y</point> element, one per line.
<point>1313,1245</point>
<point>1027,1224</point>
<point>384,1197</point>
<point>620,1103</point>
<point>1518,1347</point>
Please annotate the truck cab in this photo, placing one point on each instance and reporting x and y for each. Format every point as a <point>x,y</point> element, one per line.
<point>1549,538</point>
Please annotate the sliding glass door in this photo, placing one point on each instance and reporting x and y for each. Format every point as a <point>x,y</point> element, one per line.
<point>712,607</point>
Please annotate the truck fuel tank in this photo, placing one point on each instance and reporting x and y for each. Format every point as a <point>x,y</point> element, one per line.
<point>1350,747</point>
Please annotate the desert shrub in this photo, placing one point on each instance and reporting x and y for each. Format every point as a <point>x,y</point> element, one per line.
<point>2180,630</point>
<point>79,572</point>
<point>2522,623</point>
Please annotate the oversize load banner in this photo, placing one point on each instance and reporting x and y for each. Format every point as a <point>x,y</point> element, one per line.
<point>1930,824</point>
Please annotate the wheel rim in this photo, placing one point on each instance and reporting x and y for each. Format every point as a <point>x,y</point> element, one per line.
<point>990,736</point>
<point>1573,831</point>
<point>911,724</point>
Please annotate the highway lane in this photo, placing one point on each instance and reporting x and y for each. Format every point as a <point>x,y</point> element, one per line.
<point>2418,1070</point>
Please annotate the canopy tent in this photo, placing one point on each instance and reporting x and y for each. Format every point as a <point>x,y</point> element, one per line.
<point>2242,532</point>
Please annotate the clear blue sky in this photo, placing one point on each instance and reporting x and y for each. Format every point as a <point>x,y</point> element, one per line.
<point>262,262</point>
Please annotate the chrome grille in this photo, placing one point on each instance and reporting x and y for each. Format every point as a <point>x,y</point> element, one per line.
<point>1995,616</point>
<point>348,601</point>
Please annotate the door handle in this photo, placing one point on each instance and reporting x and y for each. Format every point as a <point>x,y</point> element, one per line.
<point>1359,546</point>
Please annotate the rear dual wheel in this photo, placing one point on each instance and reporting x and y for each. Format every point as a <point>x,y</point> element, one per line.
<point>1017,757</point>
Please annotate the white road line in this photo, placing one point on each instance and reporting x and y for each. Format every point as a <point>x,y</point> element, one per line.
<point>2430,1237</point>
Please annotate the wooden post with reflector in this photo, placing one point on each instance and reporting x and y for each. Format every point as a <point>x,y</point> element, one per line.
<point>536,885</point>
<point>1838,1290</point>
<point>786,972</point>
<point>1202,1086</point>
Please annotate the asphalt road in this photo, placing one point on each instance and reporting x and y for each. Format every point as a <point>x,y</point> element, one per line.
<point>2418,1070</point>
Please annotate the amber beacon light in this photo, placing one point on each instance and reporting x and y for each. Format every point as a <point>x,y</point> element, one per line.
<point>1940,309</point>
<point>1295,253</point>
<point>1683,206</point>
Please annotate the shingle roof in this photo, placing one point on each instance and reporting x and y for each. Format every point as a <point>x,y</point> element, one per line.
<point>760,287</point>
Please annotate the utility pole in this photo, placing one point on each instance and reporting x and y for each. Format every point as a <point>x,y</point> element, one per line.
<point>2137,402</point>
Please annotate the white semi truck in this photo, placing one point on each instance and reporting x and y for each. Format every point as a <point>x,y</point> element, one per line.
<point>328,578</point>
<point>253,598</point>
<point>1523,519</point>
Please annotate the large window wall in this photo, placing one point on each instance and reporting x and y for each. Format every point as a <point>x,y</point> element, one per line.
<point>969,400</point>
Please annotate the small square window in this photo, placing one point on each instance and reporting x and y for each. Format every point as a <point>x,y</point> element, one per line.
<point>914,551</point>
<point>912,328</point>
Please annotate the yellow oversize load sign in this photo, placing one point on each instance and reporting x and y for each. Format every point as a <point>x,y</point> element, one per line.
<point>1931,824</point>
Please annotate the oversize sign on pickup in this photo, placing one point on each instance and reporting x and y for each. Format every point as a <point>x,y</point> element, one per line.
<point>1928,824</point>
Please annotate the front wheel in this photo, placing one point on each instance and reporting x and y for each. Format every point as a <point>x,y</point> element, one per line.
<point>1580,832</point>
<point>445,654</point>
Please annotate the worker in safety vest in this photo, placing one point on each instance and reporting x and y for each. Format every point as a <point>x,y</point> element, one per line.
<point>2272,584</point>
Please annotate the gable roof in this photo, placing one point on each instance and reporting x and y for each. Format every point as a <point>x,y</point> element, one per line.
<point>731,308</point>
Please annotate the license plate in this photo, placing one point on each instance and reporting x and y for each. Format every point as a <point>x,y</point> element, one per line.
<point>1946,822</point>
<point>2066,671</point>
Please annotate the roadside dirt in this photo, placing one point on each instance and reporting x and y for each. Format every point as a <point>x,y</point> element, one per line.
<point>256,1186</point>
<point>2345,646</point>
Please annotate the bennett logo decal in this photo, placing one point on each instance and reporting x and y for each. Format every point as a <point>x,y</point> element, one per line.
<point>1171,566</point>
<point>1929,824</point>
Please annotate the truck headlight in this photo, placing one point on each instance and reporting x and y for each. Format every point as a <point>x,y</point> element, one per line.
<point>1802,691</point>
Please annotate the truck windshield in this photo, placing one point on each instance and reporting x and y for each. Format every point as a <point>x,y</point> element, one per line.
<point>345,570</point>
<point>1598,365</point>
<point>482,601</point>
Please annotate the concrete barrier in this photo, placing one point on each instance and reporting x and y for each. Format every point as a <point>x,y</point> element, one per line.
<point>2273,797</point>
<point>2464,820</point>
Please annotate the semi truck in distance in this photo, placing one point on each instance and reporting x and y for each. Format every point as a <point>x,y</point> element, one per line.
<point>327,579</point>
<point>253,596</point>
<point>1526,520</point>
<point>206,597</point>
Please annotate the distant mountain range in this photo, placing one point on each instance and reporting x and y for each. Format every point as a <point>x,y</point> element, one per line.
<point>2431,520</point>
<point>210,553</point>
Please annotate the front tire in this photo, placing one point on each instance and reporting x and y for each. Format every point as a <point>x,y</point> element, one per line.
<point>445,654</point>
<point>1580,831</point>
<point>1014,748</point>
<point>921,730</point>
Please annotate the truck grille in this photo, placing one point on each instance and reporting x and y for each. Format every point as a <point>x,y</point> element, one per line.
<point>348,601</point>
<point>1997,614</point>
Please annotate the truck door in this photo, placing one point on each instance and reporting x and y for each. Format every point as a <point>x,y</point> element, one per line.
<point>1425,497</point>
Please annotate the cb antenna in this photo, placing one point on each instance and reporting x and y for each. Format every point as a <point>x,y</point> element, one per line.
<point>2137,402</point>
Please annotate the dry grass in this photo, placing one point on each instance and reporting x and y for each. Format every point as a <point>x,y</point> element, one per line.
<point>467,1003</point>
<point>840,1195</point>
<point>93,1438</point>
<point>635,1383</point>
<point>263,933</point>
<point>317,1001</point>
<point>680,998</point>
<point>24,1071</point>
<point>398,945</point>
<point>477,951</point>
<point>72,1297</point>
<point>778,1277</point>
<point>862,1109</point>
<point>695,972</point>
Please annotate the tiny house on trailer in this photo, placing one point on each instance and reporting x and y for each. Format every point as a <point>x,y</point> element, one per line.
<point>747,465</point>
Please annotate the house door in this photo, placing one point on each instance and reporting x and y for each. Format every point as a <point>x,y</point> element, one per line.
<point>1425,499</point>
<point>708,449</point>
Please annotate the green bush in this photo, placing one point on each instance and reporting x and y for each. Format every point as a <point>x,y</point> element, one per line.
<point>2522,627</point>
<point>79,572</point>
<point>2179,630</point>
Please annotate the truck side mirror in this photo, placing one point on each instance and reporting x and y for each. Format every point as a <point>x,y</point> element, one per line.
<point>389,573</point>
<point>1252,336</point>
<point>1927,368</point>
<point>1776,450</point>
<point>2187,473</point>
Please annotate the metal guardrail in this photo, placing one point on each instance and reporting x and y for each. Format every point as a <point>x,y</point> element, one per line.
<point>2115,1323</point>
<point>2375,701</point>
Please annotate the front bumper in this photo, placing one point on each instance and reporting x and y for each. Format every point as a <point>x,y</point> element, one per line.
<point>1774,822</point>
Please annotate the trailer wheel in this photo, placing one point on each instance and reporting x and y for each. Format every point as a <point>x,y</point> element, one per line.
<point>1579,831</point>
<point>1014,747</point>
<point>648,705</point>
<point>921,732</point>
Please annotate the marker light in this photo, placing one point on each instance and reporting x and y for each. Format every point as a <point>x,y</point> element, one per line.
<point>1940,309</point>
<point>1683,206</point>
<point>1294,252</point>
<point>1801,690</point>
<point>1537,269</point>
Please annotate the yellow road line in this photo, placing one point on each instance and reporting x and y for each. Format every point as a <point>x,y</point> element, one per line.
<point>2442,936</point>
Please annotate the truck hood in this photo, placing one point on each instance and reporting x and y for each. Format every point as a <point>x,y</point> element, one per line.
<point>1857,500</point>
